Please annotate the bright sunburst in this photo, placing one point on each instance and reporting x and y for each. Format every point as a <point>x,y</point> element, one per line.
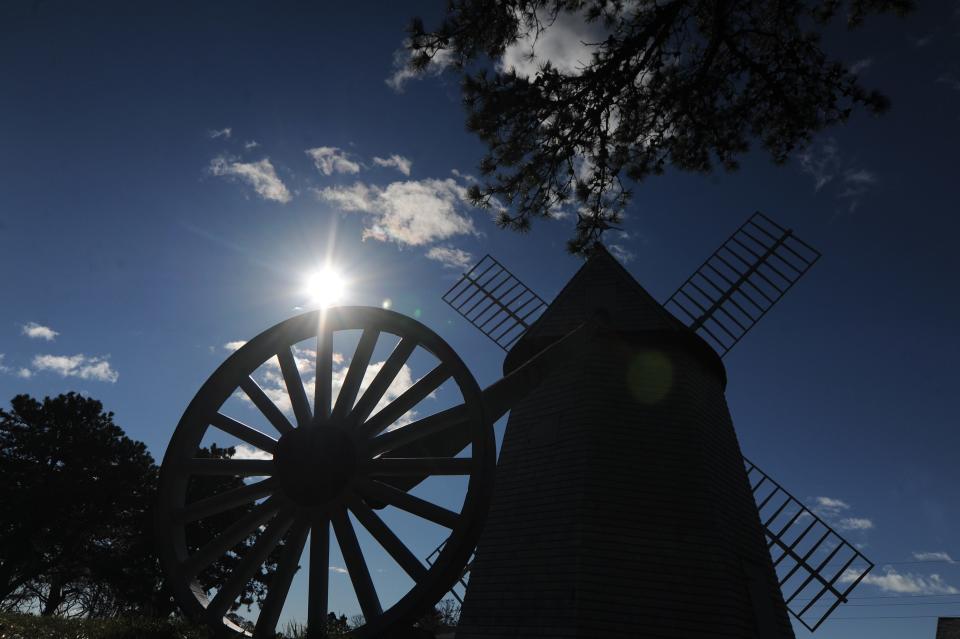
<point>325,287</point>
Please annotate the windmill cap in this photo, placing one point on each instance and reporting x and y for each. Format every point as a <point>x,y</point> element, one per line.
<point>602,290</point>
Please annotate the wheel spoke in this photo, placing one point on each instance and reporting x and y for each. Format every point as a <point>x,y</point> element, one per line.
<point>379,491</point>
<point>249,563</point>
<point>324,368</point>
<point>241,431</point>
<point>354,377</point>
<point>386,538</point>
<point>410,398</point>
<point>279,586</point>
<point>385,376</point>
<point>319,578</point>
<point>265,405</point>
<point>405,435</point>
<point>230,537</point>
<point>356,565</point>
<point>401,466</point>
<point>294,383</point>
<point>224,501</point>
<point>226,466</point>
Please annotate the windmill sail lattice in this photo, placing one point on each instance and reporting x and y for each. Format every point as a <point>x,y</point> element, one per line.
<point>816,567</point>
<point>741,281</point>
<point>496,302</point>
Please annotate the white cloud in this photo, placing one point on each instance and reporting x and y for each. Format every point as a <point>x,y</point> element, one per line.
<point>450,257</point>
<point>621,253</point>
<point>24,373</point>
<point>933,556</point>
<point>402,73</point>
<point>82,366</point>
<point>860,65</point>
<point>3,368</point>
<point>903,584</point>
<point>412,212</point>
<point>398,162</point>
<point>339,570</point>
<point>854,523</point>
<point>260,175</point>
<point>242,451</point>
<point>220,133</point>
<point>330,160</point>
<point>250,144</point>
<point>831,503</point>
<point>562,43</point>
<point>38,331</point>
<point>234,346</point>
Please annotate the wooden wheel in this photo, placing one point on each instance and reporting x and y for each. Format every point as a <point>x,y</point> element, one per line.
<point>334,461</point>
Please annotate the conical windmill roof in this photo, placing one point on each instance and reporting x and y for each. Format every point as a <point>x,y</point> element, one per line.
<point>604,289</point>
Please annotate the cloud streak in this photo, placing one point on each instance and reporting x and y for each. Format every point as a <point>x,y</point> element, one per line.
<point>450,257</point>
<point>260,175</point>
<point>330,160</point>
<point>80,366</point>
<point>903,583</point>
<point>395,161</point>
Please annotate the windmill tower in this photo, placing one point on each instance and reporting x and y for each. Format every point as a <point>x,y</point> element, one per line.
<point>623,505</point>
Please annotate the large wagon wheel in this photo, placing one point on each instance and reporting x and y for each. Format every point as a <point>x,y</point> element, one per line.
<point>334,460</point>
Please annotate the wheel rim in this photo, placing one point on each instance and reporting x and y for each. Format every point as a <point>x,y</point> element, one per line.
<point>331,459</point>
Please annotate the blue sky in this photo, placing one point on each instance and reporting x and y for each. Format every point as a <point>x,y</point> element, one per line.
<point>171,174</point>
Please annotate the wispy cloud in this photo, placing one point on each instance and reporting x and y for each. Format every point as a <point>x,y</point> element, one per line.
<point>80,365</point>
<point>903,583</point>
<point>233,346</point>
<point>412,212</point>
<point>330,160</point>
<point>3,367</point>
<point>621,253</point>
<point>403,73</point>
<point>339,570</point>
<point>395,161</point>
<point>829,507</point>
<point>38,331</point>
<point>821,162</point>
<point>250,144</point>
<point>933,556</point>
<point>854,523</point>
<point>825,165</point>
<point>861,65</point>
<point>225,133</point>
<point>450,257</point>
<point>24,373</point>
<point>260,175</point>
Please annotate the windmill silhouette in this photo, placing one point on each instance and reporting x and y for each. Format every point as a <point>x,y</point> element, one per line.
<point>620,503</point>
<point>623,503</point>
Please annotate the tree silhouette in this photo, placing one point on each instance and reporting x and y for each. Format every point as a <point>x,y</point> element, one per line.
<point>76,523</point>
<point>76,496</point>
<point>679,83</point>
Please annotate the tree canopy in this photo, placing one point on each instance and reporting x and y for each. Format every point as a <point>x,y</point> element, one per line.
<point>687,84</point>
<point>76,527</point>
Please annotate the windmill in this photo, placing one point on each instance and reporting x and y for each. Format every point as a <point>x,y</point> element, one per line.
<point>621,498</point>
<point>533,533</point>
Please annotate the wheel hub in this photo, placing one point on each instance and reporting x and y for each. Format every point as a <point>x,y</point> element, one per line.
<point>314,465</point>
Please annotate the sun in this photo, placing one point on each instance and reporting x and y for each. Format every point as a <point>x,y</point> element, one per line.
<point>325,287</point>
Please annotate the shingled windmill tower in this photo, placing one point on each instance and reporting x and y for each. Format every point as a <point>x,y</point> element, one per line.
<point>622,507</point>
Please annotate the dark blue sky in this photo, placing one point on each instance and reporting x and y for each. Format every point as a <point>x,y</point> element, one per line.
<point>142,240</point>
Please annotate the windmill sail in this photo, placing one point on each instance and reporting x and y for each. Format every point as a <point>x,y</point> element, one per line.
<point>816,567</point>
<point>741,281</point>
<point>491,298</point>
